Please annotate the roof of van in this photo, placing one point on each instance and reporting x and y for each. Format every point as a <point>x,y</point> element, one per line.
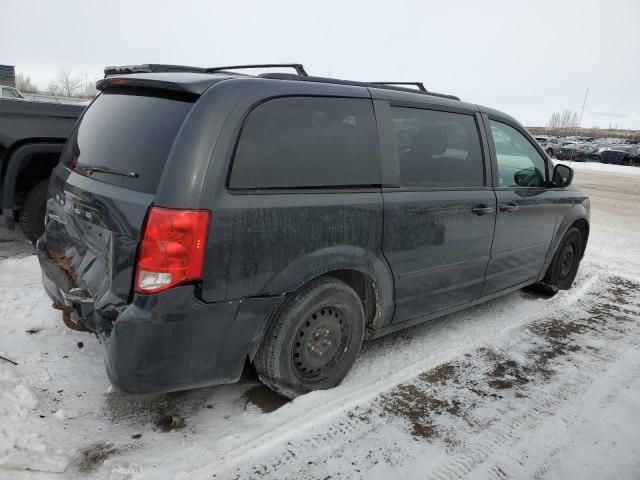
<point>196,83</point>
<point>196,80</point>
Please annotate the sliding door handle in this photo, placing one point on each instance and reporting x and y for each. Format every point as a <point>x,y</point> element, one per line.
<point>509,207</point>
<point>482,209</point>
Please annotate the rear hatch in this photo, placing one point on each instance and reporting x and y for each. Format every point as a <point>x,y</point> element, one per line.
<point>103,186</point>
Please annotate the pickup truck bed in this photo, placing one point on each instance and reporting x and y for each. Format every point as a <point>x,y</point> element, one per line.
<point>32,135</point>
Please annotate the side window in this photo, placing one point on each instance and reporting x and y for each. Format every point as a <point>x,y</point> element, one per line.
<point>438,149</point>
<point>297,142</point>
<point>9,92</point>
<point>519,163</point>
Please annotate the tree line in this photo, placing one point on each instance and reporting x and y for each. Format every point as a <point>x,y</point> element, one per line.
<point>64,84</point>
<point>567,123</point>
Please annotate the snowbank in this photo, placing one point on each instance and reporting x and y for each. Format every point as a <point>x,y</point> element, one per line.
<point>602,167</point>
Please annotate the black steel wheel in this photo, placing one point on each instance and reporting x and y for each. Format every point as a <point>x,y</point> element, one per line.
<point>567,260</point>
<point>313,339</point>
<point>564,266</point>
<point>320,342</point>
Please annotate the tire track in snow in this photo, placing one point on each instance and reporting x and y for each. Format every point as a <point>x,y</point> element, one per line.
<point>557,402</point>
<point>317,416</point>
<point>478,451</point>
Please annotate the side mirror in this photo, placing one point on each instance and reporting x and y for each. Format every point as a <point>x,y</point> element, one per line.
<point>562,176</point>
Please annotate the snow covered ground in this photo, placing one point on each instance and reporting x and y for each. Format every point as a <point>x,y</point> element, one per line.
<point>520,387</point>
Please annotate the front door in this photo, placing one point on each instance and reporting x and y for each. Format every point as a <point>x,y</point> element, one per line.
<point>527,209</point>
<point>439,222</point>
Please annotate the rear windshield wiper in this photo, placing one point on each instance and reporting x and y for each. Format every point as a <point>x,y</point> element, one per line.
<point>90,169</point>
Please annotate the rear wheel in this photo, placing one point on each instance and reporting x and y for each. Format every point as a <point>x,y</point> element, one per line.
<point>33,210</point>
<point>564,266</point>
<point>314,339</point>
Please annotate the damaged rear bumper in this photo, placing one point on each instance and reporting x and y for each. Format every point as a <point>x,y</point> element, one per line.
<point>166,341</point>
<point>75,303</point>
<point>173,341</point>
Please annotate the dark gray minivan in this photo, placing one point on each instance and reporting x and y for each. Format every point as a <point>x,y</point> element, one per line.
<point>200,218</point>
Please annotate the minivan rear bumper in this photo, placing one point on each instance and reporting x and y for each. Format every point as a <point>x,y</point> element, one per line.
<point>170,340</point>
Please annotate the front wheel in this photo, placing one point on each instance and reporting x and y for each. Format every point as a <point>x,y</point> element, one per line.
<point>313,340</point>
<point>550,152</point>
<point>564,266</point>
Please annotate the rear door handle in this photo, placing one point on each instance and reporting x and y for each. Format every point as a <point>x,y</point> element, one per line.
<point>509,207</point>
<point>482,209</point>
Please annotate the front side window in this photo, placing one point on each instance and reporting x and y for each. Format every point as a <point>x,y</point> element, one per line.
<point>437,149</point>
<point>519,163</point>
<point>10,92</point>
<point>297,142</point>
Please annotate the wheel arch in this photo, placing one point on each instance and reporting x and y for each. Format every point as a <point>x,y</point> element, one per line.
<point>582,224</point>
<point>578,217</point>
<point>371,280</point>
<point>44,156</point>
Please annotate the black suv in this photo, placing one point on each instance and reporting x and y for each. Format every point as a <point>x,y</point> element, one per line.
<point>199,219</point>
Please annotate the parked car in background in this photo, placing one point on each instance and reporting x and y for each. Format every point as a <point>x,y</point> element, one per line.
<point>12,93</point>
<point>579,153</point>
<point>620,155</point>
<point>550,145</point>
<point>32,135</point>
<point>282,219</point>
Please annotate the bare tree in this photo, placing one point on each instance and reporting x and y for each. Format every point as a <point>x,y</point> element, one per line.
<point>89,90</point>
<point>24,84</point>
<point>53,89</point>
<point>563,123</point>
<point>68,85</point>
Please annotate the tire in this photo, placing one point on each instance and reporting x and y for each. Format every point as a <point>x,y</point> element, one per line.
<point>564,266</point>
<point>313,339</point>
<point>550,152</point>
<point>33,210</point>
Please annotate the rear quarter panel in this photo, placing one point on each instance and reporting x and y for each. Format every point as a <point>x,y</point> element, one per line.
<point>274,243</point>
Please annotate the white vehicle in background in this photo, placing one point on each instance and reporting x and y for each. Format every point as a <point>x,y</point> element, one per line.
<point>11,93</point>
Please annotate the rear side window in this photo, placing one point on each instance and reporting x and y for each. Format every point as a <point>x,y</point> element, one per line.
<point>297,142</point>
<point>126,133</point>
<point>438,149</point>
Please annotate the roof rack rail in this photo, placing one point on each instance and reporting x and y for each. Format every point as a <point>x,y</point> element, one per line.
<point>298,67</point>
<point>419,85</point>
<point>301,75</point>
<point>150,68</point>
<point>290,76</point>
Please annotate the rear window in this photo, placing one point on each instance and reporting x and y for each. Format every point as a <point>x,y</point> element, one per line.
<point>297,142</point>
<point>126,132</point>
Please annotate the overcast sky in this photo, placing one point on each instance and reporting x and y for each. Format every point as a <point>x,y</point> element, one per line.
<point>527,58</point>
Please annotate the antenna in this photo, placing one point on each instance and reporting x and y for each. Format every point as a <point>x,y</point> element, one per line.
<point>583,104</point>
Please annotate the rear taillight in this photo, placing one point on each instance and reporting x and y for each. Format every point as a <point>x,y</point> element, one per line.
<point>172,249</point>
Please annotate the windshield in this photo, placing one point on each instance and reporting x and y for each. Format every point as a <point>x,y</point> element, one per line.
<point>126,132</point>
